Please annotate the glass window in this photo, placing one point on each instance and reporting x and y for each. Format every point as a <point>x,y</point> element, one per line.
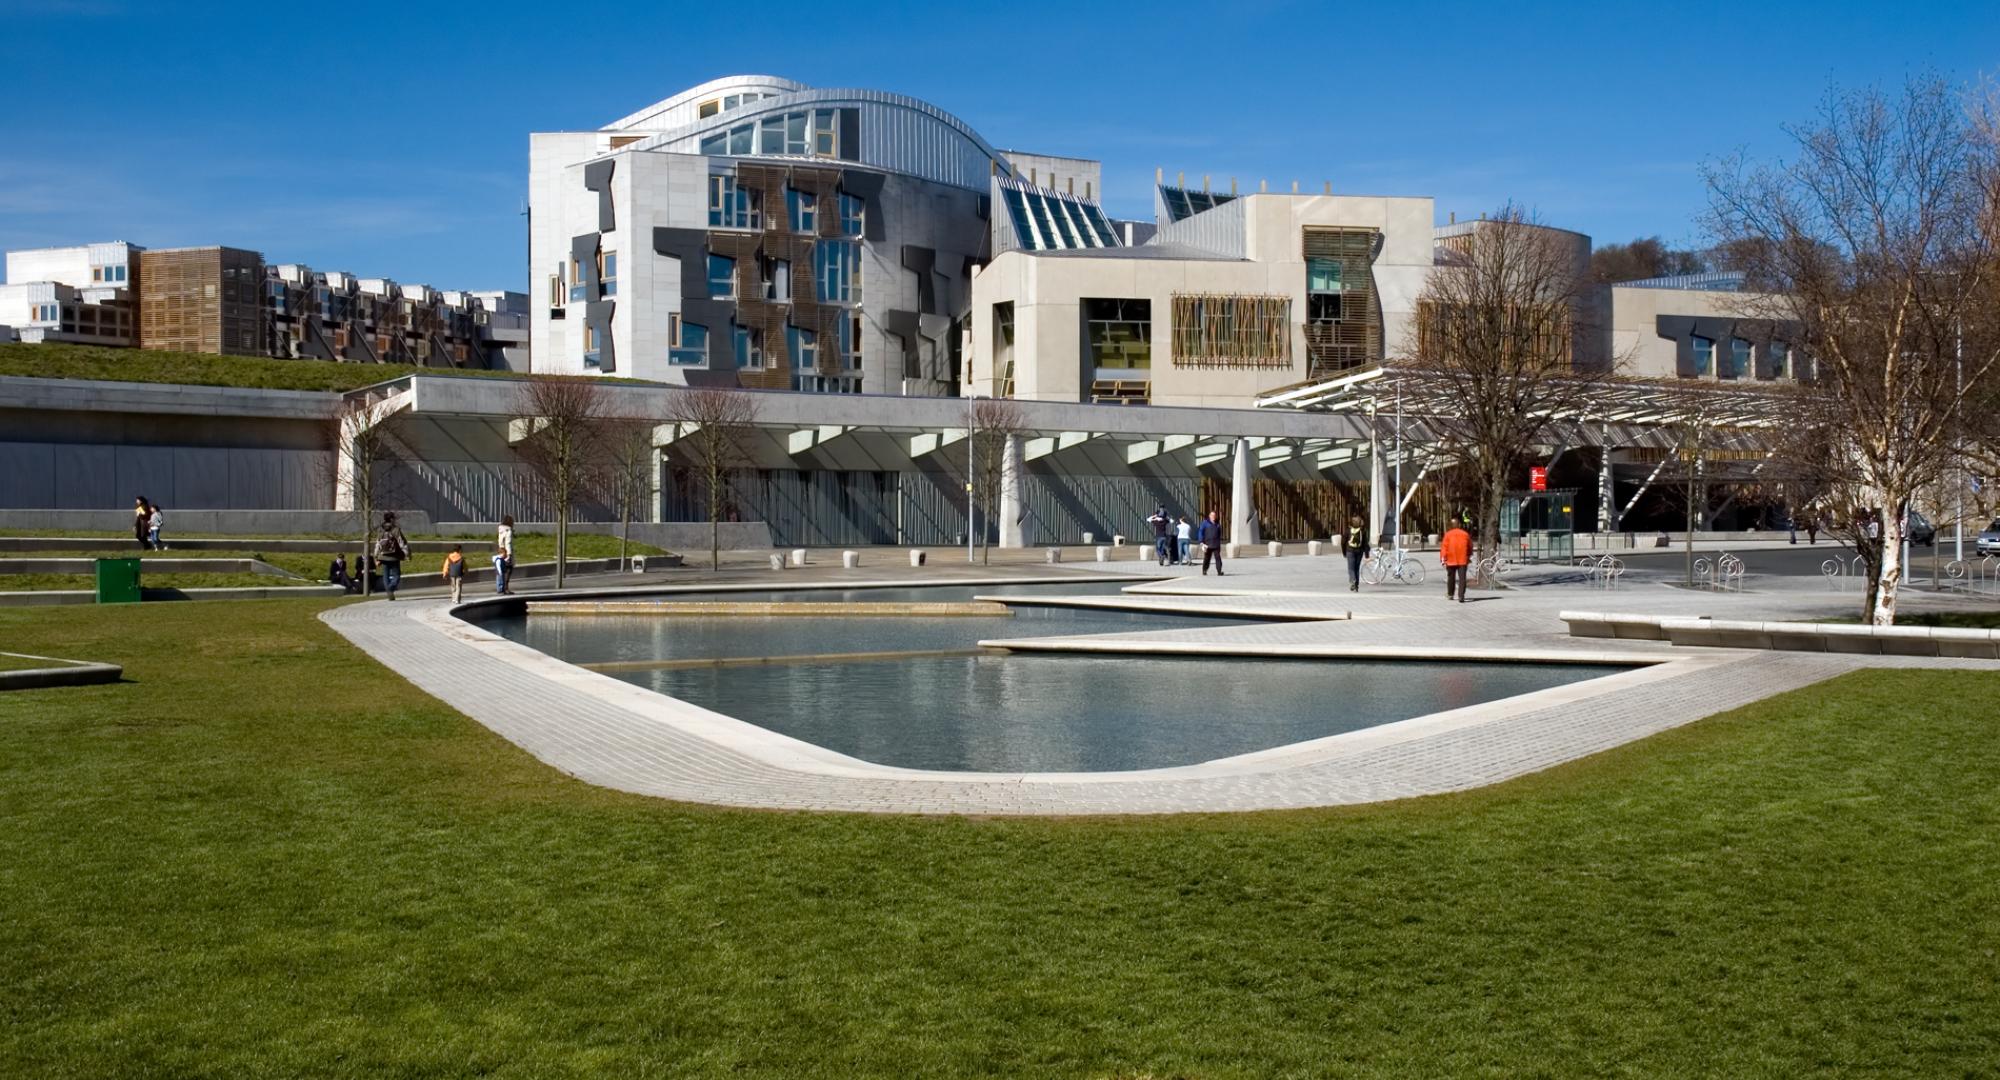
<point>1739,359</point>
<point>715,144</point>
<point>802,346</point>
<point>852,212</point>
<point>1704,356</point>
<point>777,279</point>
<point>1322,290</point>
<point>732,101</point>
<point>721,277</point>
<point>771,135</point>
<point>801,207</point>
<point>826,139</point>
<point>1776,358</point>
<point>837,271</point>
<point>688,343</point>
<point>608,273</point>
<point>850,343</point>
<point>1119,333</point>
<point>795,134</point>
<point>740,138</point>
<point>708,108</point>
<point>749,348</point>
<point>731,206</point>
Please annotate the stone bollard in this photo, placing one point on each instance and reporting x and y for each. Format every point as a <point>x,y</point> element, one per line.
<point>1103,553</point>
<point>916,556</point>
<point>1231,551</point>
<point>1117,540</point>
<point>1089,538</point>
<point>1312,548</point>
<point>777,561</point>
<point>798,556</point>
<point>1146,554</point>
<point>1274,548</point>
<point>1054,555</point>
<point>850,559</point>
<point>638,564</point>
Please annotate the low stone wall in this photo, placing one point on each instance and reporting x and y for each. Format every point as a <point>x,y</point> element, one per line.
<point>207,522</point>
<point>671,535</point>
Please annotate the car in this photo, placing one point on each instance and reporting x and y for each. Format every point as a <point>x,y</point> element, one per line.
<point>1921,532</point>
<point>1989,539</point>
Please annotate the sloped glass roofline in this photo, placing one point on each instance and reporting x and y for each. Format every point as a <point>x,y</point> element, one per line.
<point>1180,204</point>
<point>1044,219</point>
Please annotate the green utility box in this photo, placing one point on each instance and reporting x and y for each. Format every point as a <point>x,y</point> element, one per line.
<point>117,581</point>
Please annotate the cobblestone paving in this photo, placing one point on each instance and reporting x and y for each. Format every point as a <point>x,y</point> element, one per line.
<point>620,736</point>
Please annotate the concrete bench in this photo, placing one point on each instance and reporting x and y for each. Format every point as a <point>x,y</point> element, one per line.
<point>1596,624</point>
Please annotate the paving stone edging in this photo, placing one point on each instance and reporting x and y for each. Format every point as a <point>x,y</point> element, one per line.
<point>619,735</point>
<point>60,673</point>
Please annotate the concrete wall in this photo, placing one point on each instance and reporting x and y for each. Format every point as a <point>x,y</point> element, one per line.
<point>1047,291</point>
<point>672,535</point>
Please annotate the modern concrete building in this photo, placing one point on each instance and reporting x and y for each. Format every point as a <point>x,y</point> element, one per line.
<point>82,294</point>
<point>1699,326</point>
<point>755,231</point>
<point>227,300</point>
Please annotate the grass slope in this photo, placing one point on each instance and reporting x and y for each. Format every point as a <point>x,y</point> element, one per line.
<point>263,855</point>
<point>55,360</point>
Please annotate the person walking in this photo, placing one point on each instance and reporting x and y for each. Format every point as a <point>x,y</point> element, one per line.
<point>155,521</point>
<point>1354,544</point>
<point>390,551</point>
<point>454,571</point>
<point>1211,544</point>
<point>503,556</point>
<point>142,517</point>
<point>1160,523</point>
<point>1183,539</point>
<point>1455,551</point>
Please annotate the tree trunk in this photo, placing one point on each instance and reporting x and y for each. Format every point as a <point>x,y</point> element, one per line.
<point>367,512</point>
<point>624,533</point>
<point>1492,495</point>
<point>562,541</point>
<point>714,518</point>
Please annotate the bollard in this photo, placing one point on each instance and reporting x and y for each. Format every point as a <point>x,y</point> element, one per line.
<point>850,559</point>
<point>1274,549</point>
<point>1146,554</point>
<point>1312,548</point>
<point>1054,555</point>
<point>1103,553</point>
<point>798,556</point>
<point>638,564</point>
<point>1089,538</point>
<point>1117,540</point>
<point>1229,551</point>
<point>777,561</point>
<point>916,556</point>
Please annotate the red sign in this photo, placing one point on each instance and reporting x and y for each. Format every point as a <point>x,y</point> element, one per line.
<point>1538,478</point>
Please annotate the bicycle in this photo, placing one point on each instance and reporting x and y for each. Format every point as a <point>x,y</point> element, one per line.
<point>1395,566</point>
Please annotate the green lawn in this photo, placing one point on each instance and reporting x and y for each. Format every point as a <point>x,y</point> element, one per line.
<point>1970,620</point>
<point>41,582</point>
<point>10,662</point>
<point>66,361</point>
<point>262,855</point>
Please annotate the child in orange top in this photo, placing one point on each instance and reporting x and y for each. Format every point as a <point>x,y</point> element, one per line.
<point>454,571</point>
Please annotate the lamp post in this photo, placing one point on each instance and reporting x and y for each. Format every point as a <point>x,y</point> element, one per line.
<point>1398,517</point>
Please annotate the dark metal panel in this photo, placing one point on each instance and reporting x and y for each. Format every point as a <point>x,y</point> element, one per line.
<point>850,134</point>
<point>598,314</point>
<point>597,177</point>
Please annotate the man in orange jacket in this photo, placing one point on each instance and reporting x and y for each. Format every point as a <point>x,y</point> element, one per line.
<point>1455,551</point>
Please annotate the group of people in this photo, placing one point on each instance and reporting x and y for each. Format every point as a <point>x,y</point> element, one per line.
<point>1454,551</point>
<point>146,523</point>
<point>1174,539</point>
<point>382,567</point>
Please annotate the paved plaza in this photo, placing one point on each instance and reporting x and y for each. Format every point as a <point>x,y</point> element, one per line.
<point>621,736</point>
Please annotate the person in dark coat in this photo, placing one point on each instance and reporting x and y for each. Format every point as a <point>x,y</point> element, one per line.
<point>1210,536</point>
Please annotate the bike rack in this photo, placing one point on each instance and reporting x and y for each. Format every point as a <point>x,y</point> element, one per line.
<point>1606,571</point>
<point>1725,574</point>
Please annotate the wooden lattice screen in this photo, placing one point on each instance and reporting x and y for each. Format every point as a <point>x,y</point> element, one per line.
<point>1232,331</point>
<point>1354,339</point>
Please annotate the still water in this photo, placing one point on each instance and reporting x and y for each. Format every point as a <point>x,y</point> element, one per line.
<point>1013,713</point>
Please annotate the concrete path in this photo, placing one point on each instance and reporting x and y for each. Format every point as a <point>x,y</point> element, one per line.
<point>618,735</point>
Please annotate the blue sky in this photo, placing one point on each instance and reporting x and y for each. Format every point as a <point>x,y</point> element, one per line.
<point>391,139</point>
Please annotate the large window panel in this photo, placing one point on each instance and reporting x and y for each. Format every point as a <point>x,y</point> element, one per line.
<point>721,277</point>
<point>1118,334</point>
<point>837,271</point>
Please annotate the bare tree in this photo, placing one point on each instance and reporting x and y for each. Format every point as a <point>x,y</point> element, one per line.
<point>712,432</point>
<point>1497,324</point>
<point>364,446</point>
<point>630,459</point>
<point>989,423</point>
<point>560,424</point>
<point>1881,234</point>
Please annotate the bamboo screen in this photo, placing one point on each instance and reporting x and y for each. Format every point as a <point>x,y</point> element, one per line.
<point>1232,331</point>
